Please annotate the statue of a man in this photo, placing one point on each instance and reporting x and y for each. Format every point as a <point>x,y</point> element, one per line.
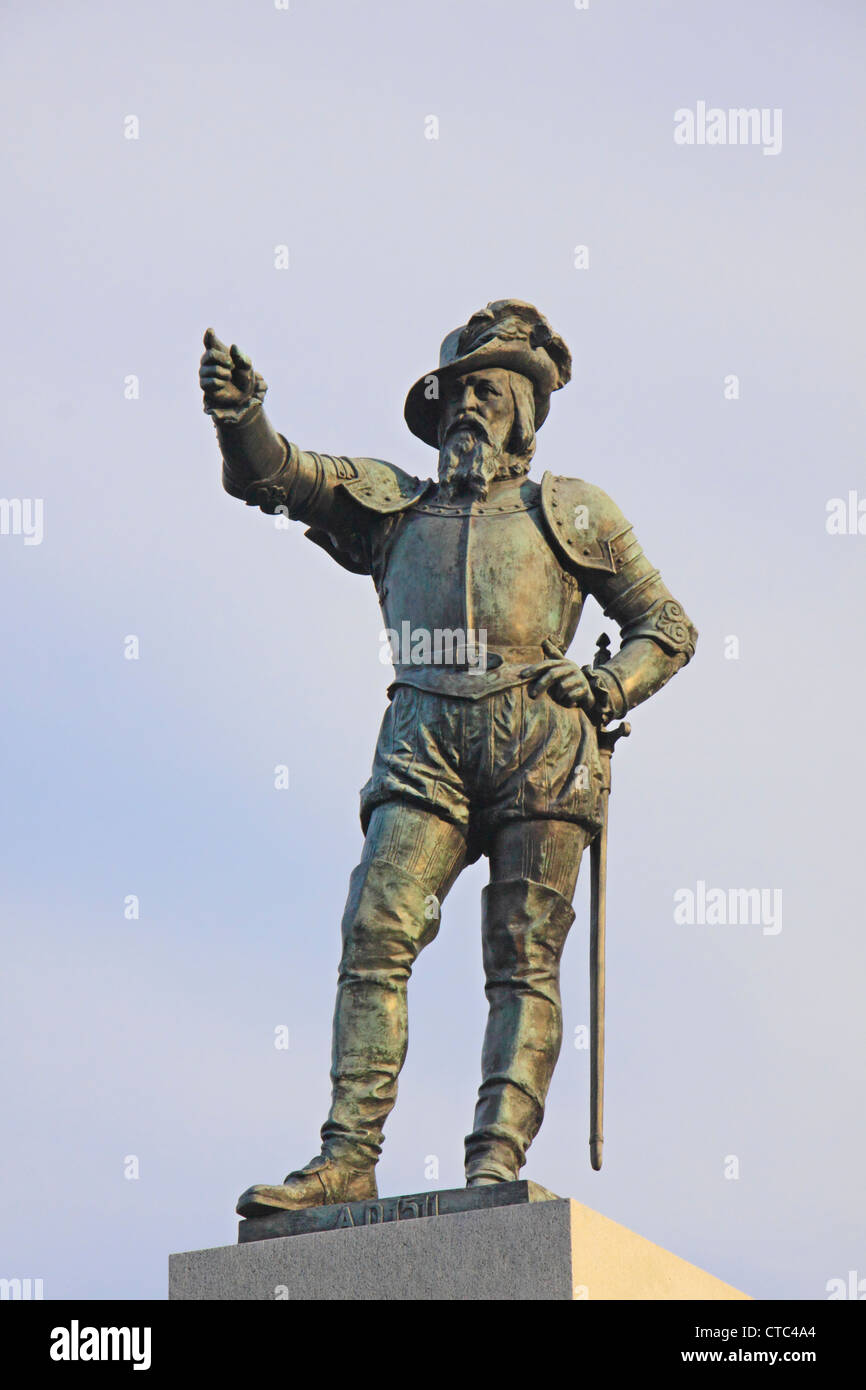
<point>489,745</point>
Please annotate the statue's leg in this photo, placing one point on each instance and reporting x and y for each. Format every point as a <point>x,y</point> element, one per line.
<point>527,914</point>
<point>410,860</point>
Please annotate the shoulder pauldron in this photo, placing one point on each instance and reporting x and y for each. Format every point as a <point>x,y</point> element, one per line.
<point>587,529</point>
<point>380,486</point>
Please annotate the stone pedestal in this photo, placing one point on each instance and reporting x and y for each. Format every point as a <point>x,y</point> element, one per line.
<point>509,1241</point>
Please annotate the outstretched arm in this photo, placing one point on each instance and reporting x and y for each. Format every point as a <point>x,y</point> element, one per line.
<point>264,470</point>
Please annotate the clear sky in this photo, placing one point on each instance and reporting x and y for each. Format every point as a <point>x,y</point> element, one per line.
<point>152,1038</point>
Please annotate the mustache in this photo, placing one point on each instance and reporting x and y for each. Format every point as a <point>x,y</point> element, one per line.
<point>471,423</point>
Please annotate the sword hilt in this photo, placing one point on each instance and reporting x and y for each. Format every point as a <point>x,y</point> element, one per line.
<point>608,738</point>
<point>602,650</point>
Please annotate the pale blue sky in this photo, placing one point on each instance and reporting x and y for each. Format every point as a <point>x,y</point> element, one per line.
<point>259,127</point>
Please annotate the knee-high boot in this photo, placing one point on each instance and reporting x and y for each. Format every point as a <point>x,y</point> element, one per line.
<point>524,928</point>
<point>389,917</point>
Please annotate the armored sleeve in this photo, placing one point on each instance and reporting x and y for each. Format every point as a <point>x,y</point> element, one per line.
<point>597,544</point>
<point>657,637</point>
<point>261,468</point>
<point>346,503</point>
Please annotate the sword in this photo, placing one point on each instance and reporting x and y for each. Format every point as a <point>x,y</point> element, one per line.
<point>607,740</point>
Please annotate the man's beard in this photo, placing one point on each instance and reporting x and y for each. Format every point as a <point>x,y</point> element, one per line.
<point>468,460</point>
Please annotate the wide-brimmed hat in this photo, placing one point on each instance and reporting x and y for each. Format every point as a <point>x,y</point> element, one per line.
<point>508,333</point>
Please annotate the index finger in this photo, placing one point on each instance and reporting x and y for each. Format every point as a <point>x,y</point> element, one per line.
<point>212,341</point>
<point>555,673</point>
<point>540,667</point>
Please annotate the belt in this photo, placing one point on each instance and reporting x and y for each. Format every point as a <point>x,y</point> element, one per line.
<point>486,660</point>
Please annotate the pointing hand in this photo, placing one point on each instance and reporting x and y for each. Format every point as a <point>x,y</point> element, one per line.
<point>228,379</point>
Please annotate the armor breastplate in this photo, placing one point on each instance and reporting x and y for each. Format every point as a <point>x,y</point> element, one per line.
<point>485,571</point>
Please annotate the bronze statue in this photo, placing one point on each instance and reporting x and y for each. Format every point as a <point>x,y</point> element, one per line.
<point>493,743</point>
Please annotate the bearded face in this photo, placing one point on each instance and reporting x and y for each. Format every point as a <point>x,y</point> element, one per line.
<point>468,460</point>
<point>475,424</point>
